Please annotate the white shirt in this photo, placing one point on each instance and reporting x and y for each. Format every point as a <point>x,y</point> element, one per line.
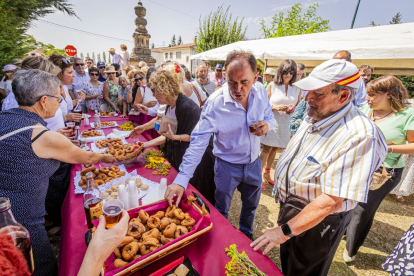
<point>147,95</point>
<point>125,60</point>
<point>56,121</point>
<point>337,156</point>
<point>7,87</point>
<point>9,102</point>
<point>68,100</point>
<point>2,83</point>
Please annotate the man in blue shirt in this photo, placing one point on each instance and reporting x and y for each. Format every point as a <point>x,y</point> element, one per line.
<point>102,75</point>
<point>228,114</point>
<point>81,78</point>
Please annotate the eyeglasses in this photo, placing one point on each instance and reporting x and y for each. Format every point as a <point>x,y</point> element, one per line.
<point>102,67</point>
<point>94,74</point>
<point>79,64</point>
<point>65,61</point>
<point>288,72</point>
<point>139,79</point>
<point>60,99</point>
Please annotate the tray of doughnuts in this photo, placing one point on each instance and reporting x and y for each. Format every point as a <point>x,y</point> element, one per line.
<point>155,231</point>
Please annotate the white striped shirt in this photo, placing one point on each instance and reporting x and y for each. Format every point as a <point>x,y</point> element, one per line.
<point>338,156</point>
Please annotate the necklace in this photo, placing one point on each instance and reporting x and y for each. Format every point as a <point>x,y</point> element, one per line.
<point>374,119</point>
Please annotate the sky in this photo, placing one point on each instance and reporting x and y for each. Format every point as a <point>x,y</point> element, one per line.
<point>181,17</point>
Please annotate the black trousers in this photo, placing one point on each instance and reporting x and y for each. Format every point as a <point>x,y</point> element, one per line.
<point>363,214</point>
<point>312,252</point>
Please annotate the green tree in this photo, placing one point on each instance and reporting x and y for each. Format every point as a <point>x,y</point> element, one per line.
<point>104,56</point>
<point>218,29</point>
<point>180,41</point>
<point>98,57</point>
<point>397,19</point>
<point>81,56</point>
<point>173,43</point>
<point>88,55</point>
<point>295,23</point>
<point>93,57</point>
<point>16,16</point>
<point>152,45</point>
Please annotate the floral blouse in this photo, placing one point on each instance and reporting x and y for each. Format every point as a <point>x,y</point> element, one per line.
<point>91,90</point>
<point>113,94</point>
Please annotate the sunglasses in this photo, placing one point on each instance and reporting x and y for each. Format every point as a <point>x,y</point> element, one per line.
<point>94,74</point>
<point>65,61</point>
<point>102,67</point>
<point>139,79</point>
<point>288,72</point>
<point>79,64</point>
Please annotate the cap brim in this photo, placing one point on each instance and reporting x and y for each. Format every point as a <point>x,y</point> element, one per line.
<point>310,83</point>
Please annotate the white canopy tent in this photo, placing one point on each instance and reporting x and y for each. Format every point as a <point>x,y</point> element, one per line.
<point>389,49</point>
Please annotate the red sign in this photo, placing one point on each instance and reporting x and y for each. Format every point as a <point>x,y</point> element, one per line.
<point>71,51</point>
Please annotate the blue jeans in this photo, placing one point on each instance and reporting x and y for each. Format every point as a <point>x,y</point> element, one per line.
<point>247,179</point>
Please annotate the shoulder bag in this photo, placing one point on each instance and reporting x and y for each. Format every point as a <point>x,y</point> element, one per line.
<point>381,176</point>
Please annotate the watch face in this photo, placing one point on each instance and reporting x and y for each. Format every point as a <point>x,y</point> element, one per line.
<point>286,229</point>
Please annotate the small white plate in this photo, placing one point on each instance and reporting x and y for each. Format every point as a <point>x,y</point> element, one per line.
<point>116,124</point>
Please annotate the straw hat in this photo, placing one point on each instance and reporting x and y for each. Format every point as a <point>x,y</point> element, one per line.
<point>110,69</point>
<point>270,71</point>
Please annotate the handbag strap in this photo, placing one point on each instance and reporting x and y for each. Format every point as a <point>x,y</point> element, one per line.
<point>202,87</point>
<point>198,94</point>
<point>290,162</point>
<point>18,131</point>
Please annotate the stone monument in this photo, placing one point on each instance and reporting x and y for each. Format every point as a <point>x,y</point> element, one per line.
<point>141,51</point>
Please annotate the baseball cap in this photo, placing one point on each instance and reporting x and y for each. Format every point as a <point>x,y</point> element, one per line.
<point>219,66</point>
<point>100,64</point>
<point>9,67</point>
<point>16,61</point>
<point>337,71</point>
<point>270,71</point>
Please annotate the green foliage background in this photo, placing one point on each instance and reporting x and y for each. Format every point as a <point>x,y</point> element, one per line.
<point>408,81</point>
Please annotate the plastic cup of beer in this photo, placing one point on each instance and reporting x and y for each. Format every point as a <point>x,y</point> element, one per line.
<point>252,127</point>
<point>112,211</point>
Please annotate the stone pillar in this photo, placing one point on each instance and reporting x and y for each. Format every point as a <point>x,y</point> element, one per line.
<point>141,50</point>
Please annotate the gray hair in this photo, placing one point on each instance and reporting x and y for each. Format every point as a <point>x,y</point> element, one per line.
<point>300,66</point>
<point>347,54</point>
<point>30,85</point>
<point>77,58</point>
<point>338,88</point>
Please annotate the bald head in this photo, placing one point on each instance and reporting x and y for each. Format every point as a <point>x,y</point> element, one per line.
<point>202,73</point>
<point>343,55</point>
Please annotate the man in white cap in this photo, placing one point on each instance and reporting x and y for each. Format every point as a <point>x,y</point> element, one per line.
<point>326,168</point>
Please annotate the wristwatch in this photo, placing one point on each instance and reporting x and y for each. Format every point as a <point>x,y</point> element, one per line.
<point>286,230</point>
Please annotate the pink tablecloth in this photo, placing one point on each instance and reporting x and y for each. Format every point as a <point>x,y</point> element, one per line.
<point>207,253</point>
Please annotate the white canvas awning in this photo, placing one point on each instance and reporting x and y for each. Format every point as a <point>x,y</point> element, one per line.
<point>389,49</point>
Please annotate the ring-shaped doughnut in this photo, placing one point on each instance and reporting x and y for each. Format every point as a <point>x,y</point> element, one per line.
<point>109,179</point>
<point>101,176</point>
<point>170,211</point>
<point>130,149</point>
<point>112,151</point>
<point>112,174</point>
<point>114,168</point>
<point>130,250</point>
<point>99,182</point>
<point>120,263</point>
<point>153,222</point>
<point>119,154</point>
<point>164,223</point>
<point>118,253</point>
<point>135,229</point>
<point>126,240</point>
<point>188,222</point>
<point>178,213</point>
<point>121,173</point>
<point>165,240</point>
<point>143,215</point>
<point>181,230</point>
<point>152,233</point>
<point>170,230</point>
<point>104,170</point>
<point>159,214</point>
<point>175,220</point>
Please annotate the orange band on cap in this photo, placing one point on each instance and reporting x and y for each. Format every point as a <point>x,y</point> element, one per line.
<point>348,80</point>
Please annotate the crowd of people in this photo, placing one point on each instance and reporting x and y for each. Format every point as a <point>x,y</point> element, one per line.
<point>221,130</point>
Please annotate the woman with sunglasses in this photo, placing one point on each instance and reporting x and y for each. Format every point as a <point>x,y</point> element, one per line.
<point>110,90</point>
<point>283,97</point>
<point>145,97</point>
<point>94,91</point>
<point>33,155</point>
